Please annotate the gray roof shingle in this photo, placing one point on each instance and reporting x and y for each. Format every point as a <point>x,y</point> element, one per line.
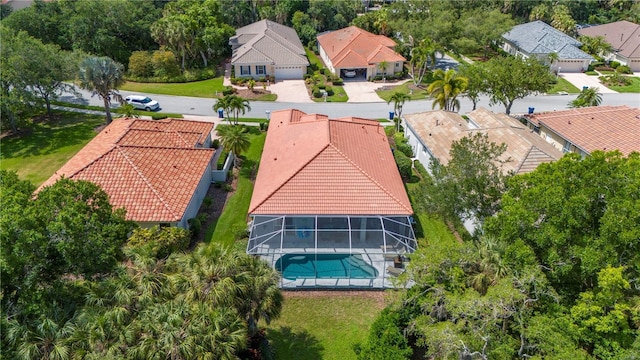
<point>266,41</point>
<point>538,38</point>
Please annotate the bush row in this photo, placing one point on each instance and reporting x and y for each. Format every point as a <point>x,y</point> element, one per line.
<point>161,66</point>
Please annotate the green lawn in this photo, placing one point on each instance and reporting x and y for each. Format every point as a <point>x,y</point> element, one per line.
<point>236,208</point>
<point>115,111</point>
<point>404,88</point>
<point>48,146</point>
<point>563,85</point>
<point>313,58</point>
<point>633,88</point>
<point>322,326</point>
<point>206,88</point>
<point>339,95</point>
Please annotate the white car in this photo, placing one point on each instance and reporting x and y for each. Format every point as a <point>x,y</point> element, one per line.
<point>349,73</point>
<point>142,102</point>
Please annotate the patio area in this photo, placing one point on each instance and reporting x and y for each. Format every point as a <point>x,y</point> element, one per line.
<point>367,251</point>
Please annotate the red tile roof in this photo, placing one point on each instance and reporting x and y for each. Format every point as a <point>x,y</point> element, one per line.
<point>151,168</point>
<point>314,165</point>
<point>353,47</point>
<point>595,128</point>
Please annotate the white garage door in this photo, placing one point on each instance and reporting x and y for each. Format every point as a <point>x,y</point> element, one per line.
<point>634,65</point>
<point>570,65</point>
<point>288,72</point>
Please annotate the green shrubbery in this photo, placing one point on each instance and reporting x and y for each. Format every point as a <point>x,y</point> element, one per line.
<point>404,164</point>
<point>162,242</point>
<point>161,66</point>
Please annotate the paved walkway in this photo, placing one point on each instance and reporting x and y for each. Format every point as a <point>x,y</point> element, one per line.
<point>580,79</point>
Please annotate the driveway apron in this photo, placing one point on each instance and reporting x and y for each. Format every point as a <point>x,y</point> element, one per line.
<point>579,80</point>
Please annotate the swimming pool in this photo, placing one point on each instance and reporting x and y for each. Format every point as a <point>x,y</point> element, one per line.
<point>325,266</point>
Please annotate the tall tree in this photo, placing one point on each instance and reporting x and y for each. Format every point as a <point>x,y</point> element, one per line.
<point>471,184</point>
<point>476,85</point>
<point>102,76</point>
<point>482,31</point>
<point>398,99</point>
<point>510,78</point>
<point>588,97</point>
<point>445,88</point>
<point>423,58</point>
<point>233,105</point>
<point>235,139</point>
<point>596,46</point>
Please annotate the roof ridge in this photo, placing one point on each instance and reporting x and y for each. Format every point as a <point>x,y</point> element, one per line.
<point>147,182</point>
<point>524,159</point>
<point>89,163</point>
<point>289,179</point>
<point>369,177</point>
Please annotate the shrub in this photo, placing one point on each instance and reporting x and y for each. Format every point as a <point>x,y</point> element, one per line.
<point>215,143</point>
<point>264,126</point>
<point>624,69</point>
<point>614,64</point>
<point>317,78</point>
<point>329,91</point>
<point>316,93</point>
<point>161,242</point>
<point>338,82</point>
<point>165,64</point>
<point>195,225</point>
<point>327,72</point>
<point>377,78</point>
<point>239,231</point>
<point>228,90</point>
<point>262,79</point>
<point>207,201</point>
<point>421,169</point>
<point>158,117</point>
<point>405,148</point>
<point>386,339</point>
<point>227,187</point>
<point>404,164</point>
<point>140,64</point>
<point>321,86</point>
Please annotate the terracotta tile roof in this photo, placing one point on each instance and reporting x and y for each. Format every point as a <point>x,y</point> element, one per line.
<point>595,128</point>
<point>438,130</point>
<point>313,165</point>
<point>624,36</point>
<point>151,168</point>
<point>353,47</point>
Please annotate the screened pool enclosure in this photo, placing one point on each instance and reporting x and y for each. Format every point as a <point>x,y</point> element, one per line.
<point>333,251</point>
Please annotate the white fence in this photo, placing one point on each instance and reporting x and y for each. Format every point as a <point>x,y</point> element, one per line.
<point>221,175</point>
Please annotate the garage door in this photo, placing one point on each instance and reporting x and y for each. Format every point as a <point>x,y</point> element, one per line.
<point>570,65</point>
<point>288,72</point>
<point>634,65</point>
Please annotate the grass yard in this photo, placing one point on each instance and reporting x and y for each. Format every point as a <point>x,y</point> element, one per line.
<point>117,110</point>
<point>326,326</point>
<point>206,88</point>
<point>564,85</point>
<point>633,88</point>
<point>234,216</point>
<point>314,59</point>
<point>35,156</point>
<point>339,95</point>
<point>404,88</point>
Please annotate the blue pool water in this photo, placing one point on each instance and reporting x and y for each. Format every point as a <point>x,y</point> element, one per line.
<point>325,266</point>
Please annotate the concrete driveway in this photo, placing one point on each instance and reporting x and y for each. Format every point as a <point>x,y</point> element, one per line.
<point>362,91</point>
<point>290,91</point>
<point>579,80</point>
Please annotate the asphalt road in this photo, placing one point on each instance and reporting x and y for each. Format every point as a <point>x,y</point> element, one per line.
<point>203,106</point>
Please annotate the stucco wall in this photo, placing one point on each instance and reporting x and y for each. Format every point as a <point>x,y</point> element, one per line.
<point>196,199</point>
<point>420,150</point>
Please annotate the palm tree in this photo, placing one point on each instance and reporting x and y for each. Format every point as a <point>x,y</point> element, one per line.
<point>383,66</point>
<point>398,99</point>
<point>235,139</point>
<point>445,89</point>
<point>102,76</point>
<point>260,298</point>
<point>128,111</point>
<point>44,338</point>
<point>553,58</point>
<point>232,104</point>
<point>421,56</point>
<point>587,97</point>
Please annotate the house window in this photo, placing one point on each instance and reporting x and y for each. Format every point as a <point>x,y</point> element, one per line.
<point>566,147</point>
<point>398,65</point>
<point>245,70</point>
<point>261,69</point>
<point>424,149</point>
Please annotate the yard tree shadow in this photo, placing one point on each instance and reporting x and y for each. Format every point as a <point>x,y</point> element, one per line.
<point>290,344</point>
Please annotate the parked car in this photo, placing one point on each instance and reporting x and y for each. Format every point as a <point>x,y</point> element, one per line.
<point>142,102</point>
<point>349,73</point>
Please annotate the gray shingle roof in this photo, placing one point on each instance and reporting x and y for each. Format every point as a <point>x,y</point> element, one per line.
<point>538,38</point>
<point>266,41</point>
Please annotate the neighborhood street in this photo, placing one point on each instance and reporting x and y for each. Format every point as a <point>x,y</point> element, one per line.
<point>203,106</point>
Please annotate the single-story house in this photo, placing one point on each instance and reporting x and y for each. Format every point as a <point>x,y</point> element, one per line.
<point>353,52</point>
<point>158,171</point>
<point>268,48</point>
<point>584,130</point>
<point>431,134</point>
<point>329,207</point>
<point>538,39</point>
<point>624,37</point>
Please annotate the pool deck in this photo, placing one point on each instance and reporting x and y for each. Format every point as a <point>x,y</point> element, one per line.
<point>374,257</point>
